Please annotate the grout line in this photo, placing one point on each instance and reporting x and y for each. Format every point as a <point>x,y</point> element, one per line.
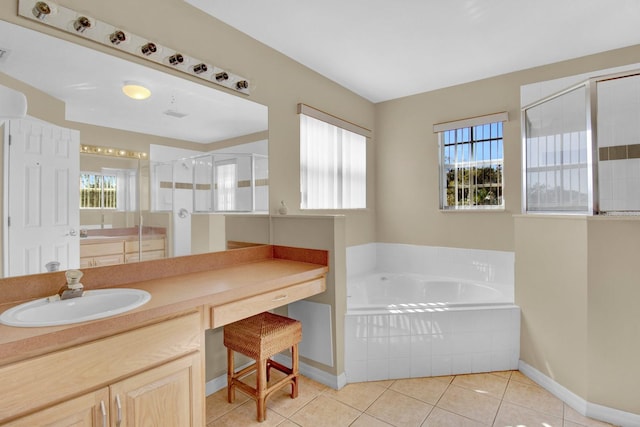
<point>386,388</point>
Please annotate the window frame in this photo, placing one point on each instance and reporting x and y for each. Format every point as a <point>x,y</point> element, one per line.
<point>469,124</point>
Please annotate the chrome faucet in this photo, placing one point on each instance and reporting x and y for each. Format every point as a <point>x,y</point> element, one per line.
<point>73,288</point>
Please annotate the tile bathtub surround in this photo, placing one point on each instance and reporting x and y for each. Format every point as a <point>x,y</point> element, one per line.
<point>497,399</point>
<point>410,345</point>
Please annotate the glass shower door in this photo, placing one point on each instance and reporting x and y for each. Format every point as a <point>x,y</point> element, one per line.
<point>557,173</point>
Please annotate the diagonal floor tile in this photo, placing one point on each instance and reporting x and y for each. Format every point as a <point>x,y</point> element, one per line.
<point>357,395</point>
<point>217,404</point>
<point>325,412</point>
<point>245,415</point>
<point>522,378</point>
<point>471,404</point>
<point>288,423</point>
<point>428,390</point>
<point>441,418</point>
<point>399,410</point>
<point>513,415</point>
<point>282,403</point>
<point>534,397</point>
<point>503,374</point>
<point>574,416</point>
<point>365,420</point>
<point>492,385</point>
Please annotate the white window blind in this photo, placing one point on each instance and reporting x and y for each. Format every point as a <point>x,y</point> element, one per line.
<point>226,179</point>
<point>333,163</point>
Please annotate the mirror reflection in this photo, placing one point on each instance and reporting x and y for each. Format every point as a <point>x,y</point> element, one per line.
<point>93,177</point>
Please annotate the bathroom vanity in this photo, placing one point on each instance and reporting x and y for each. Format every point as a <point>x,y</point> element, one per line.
<point>119,370</point>
<point>120,246</point>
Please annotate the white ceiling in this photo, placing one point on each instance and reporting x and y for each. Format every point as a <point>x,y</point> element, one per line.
<point>384,50</point>
<point>90,85</point>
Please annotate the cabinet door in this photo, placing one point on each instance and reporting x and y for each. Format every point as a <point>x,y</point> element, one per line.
<point>167,396</point>
<point>87,410</point>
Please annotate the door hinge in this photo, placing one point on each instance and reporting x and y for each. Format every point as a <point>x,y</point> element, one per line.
<point>9,139</point>
<point>9,221</point>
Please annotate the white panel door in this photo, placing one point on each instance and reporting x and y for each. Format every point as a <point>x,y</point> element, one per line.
<point>43,197</point>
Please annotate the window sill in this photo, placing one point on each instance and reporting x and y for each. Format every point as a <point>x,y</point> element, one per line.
<point>500,209</point>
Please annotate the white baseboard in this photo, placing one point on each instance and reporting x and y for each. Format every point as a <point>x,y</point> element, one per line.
<point>582,406</point>
<point>220,382</point>
<point>335,382</point>
<point>215,385</point>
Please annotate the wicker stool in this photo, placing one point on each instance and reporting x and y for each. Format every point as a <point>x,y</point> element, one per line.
<point>260,337</point>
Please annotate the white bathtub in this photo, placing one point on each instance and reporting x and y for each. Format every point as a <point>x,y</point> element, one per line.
<point>405,292</point>
<point>401,325</point>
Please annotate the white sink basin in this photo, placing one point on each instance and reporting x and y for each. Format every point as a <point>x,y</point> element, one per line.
<point>95,304</point>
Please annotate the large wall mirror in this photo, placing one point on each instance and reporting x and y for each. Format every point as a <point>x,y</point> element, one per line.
<point>92,177</point>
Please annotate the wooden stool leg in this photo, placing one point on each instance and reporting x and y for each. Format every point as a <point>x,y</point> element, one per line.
<point>261,389</point>
<point>231,389</point>
<point>294,371</point>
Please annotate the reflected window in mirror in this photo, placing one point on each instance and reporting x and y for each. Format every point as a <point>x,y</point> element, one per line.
<point>226,184</point>
<point>110,189</point>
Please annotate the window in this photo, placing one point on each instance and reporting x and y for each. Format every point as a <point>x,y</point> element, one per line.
<point>556,147</point>
<point>471,163</point>
<point>98,191</point>
<point>333,162</point>
<point>109,189</point>
<point>226,185</point>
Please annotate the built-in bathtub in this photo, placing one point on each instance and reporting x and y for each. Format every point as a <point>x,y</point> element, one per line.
<point>415,324</point>
<point>402,292</point>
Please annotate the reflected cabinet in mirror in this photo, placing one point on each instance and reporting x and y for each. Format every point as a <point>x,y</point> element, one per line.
<point>93,177</point>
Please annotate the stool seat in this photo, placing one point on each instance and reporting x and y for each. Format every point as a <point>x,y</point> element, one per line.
<point>261,337</point>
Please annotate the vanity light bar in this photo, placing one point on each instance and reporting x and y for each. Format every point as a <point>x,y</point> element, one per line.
<point>109,151</point>
<point>68,20</point>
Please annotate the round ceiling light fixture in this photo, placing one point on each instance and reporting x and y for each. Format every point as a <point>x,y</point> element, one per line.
<point>136,91</point>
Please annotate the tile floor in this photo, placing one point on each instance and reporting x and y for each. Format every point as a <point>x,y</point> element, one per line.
<point>497,399</point>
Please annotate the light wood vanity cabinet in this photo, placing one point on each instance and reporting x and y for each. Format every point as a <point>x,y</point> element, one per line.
<point>101,254</point>
<point>88,410</point>
<point>120,251</point>
<point>135,401</point>
<point>147,366</point>
<point>148,376</point>
<point>150,249</point>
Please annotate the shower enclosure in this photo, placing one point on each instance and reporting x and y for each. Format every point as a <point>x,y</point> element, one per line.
<point>581,148</point>
<point>209,183</point>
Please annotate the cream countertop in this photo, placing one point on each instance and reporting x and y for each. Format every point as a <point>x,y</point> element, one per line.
<point>244,273</point>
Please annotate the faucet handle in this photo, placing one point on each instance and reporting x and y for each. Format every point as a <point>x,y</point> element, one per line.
<point>73,277</point>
